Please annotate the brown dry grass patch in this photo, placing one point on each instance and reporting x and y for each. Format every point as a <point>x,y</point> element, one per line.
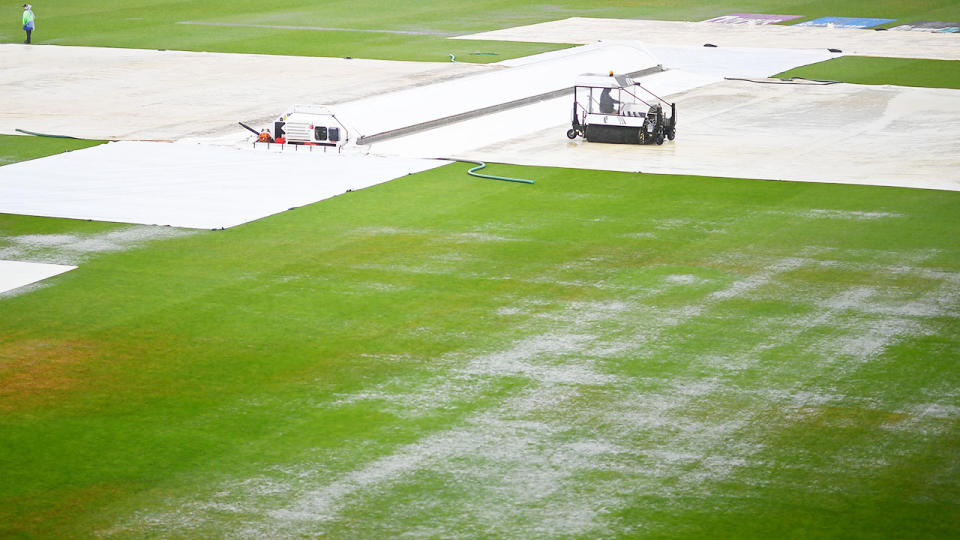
<point>57,510</point>
<point>33,370</point>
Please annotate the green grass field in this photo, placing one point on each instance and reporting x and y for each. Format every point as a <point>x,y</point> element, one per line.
<point>896,71</point>
<point>290,27</point>
<point>598,355</point>
<point>17,148</point>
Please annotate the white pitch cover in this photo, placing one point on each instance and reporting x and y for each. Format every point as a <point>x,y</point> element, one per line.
<point>16,274</point>
<point>187,185</point>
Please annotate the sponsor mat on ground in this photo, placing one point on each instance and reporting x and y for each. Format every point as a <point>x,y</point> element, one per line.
<point>846,22</point>
<point>752,18</point>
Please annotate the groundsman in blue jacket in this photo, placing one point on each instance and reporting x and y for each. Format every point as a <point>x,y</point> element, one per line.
<point>28,21</point>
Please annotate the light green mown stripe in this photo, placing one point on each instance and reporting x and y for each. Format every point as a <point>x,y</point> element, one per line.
<point>319,28</point>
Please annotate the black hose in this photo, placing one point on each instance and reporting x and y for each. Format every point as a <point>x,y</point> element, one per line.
<point>34,133</point>
<point>791,80</point>
<point>250,129</point>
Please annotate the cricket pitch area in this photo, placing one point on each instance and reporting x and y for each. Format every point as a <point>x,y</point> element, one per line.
<point>600,355</point>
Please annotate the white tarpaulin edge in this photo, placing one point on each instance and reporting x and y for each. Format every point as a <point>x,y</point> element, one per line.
<point>16,274</point>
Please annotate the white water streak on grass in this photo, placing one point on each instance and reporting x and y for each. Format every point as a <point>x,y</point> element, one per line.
<point>753,282</point>
<point>874,300</point>
<point>847,214</point>
<point>469,237</point>
<point>505,448</point>
<point>73,249</point>
<point>693,225</point>
<point>565,354</point>
<point>825,213</point>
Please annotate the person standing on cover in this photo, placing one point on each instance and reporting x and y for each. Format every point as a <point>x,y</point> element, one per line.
<point>28,20</point>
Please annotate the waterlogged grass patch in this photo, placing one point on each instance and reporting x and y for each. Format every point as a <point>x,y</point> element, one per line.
<point>440,355</point>
<point>76,247</point>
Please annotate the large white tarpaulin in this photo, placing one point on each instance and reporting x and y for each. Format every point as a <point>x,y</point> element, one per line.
<point>133,94</point>
<point>849,40</point>
<point>187,185</point>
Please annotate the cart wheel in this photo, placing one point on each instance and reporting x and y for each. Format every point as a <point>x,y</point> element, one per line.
<point>672,134</point>
<point>660,137</point>
<point>571,134</point>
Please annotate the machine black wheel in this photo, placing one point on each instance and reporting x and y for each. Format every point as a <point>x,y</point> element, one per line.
<point>571,134</point>
<point>672,134</point>
<point>660,137</point>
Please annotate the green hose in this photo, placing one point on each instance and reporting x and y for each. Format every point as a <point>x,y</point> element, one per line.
<point>480,165</point>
